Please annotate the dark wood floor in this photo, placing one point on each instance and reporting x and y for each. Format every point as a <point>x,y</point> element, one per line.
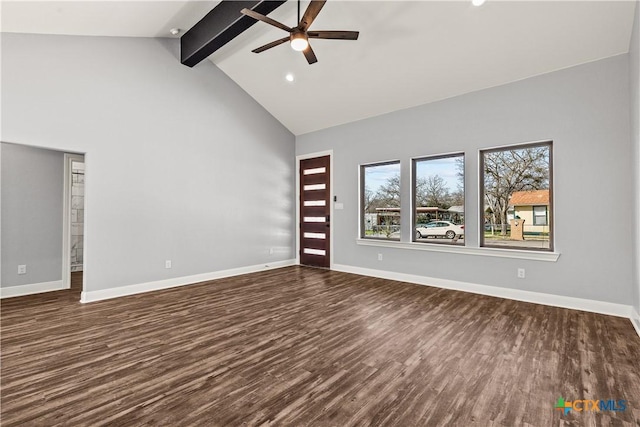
<point>76,281</point>
<point>300,346</point>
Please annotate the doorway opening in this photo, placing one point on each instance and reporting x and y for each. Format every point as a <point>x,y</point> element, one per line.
<point>73,229</point>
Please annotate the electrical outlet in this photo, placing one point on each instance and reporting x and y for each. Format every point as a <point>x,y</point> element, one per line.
<point>271,251</point>
<point>167,264</point>
<point>22,269</point>
<point>379,257</point>
<point>521,273</point>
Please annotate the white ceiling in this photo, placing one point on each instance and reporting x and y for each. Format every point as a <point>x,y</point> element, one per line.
<point>142,18</point>
<point>409,52</point>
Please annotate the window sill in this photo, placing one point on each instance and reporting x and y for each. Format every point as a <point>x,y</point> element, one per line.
<point>491,252</point>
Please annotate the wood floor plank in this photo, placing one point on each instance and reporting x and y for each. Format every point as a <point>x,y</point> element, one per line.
<point>301,346</point>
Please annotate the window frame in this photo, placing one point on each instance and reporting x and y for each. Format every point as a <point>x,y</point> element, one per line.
<point>414,207</point>
<point>481,200</point>
<point>361,169</point>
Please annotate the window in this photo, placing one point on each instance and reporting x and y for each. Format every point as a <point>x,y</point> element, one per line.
<point>438,199</point>
<point>380,201</point>
<point>516,188</point>
<point>540,215</point>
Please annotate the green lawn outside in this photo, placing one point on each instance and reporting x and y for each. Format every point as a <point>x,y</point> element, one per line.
<point>497,236</point>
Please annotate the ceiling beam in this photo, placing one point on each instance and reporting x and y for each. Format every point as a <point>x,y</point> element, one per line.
<point>219,27</point>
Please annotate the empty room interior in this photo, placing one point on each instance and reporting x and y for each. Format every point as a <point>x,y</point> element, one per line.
<point>310,213</point>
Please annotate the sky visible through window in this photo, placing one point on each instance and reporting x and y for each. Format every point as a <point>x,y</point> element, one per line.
<point>377,176</point>
<point>446,168</point>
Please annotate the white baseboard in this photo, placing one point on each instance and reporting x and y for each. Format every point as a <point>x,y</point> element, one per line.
<point>92,296</point>
<point>635,320</point>
<point>30,289</point>
<point>600,307</point>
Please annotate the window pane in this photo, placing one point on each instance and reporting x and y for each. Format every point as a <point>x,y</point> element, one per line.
<point>517,197</point>
<point>380,201</point>
<point>540,215</point>
<point>314,251</point>
<point>310,187</point>
<point>314,219</point>
<point>438,191</point>
<point>314,171</point>
<point>308,235</point>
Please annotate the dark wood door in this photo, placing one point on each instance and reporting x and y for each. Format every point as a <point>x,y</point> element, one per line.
<point>315,223</point>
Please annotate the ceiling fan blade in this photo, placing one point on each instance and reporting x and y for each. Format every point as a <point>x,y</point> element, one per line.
<point>340,35</point>
<point>310,14</point>
<point>270,45</point>
<point>310,55</point>
<point>261,17</point>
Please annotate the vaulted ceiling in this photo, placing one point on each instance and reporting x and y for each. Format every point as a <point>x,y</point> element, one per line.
<point>409,52</point>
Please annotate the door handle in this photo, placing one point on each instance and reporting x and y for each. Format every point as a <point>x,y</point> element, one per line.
<point>327,218</point>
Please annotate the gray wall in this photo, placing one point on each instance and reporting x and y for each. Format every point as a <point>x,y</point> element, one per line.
<point>584,110</point>
<point>634,75</point>
<point>181,163</point>
<point>32,197</point>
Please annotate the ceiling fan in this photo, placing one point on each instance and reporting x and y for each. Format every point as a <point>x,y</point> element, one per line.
<point>299,36</point>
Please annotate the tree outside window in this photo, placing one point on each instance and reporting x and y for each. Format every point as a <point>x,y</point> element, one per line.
<point>438,195</point>
<point>516,189</point>
<point>380,200</point>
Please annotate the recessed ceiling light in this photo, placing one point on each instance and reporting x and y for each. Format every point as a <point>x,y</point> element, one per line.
<point>175,31</point>
<point>290,77</point>
<point>477,2</point>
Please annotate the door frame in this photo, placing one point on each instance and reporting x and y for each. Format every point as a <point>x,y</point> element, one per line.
<point>331,202</point>
<point>66,217</point>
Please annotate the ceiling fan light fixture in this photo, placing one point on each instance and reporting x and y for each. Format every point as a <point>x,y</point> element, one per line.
<point>299,41</point>
<point>298,36</point>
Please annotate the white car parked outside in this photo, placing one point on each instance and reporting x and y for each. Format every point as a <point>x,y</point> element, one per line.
<point>444,229</point>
